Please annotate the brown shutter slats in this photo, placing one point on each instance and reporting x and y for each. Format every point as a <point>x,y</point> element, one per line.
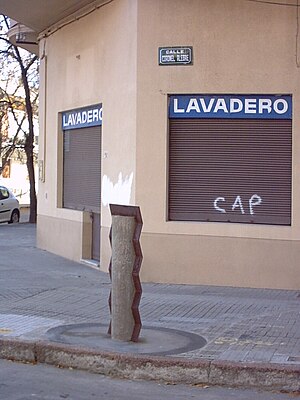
<point>213,158</point>
<point>82,169</point>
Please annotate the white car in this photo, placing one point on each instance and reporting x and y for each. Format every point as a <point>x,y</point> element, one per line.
<point>9,206</point>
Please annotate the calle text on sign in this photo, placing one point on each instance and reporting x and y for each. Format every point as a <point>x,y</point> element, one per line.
<point>182,55</point>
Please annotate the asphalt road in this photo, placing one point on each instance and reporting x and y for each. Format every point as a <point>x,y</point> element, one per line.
<point>42,382</point>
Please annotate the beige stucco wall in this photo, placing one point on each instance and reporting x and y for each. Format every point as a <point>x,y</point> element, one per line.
<point>89,61</point>
<point>239,47</point>
<point>111,56</point>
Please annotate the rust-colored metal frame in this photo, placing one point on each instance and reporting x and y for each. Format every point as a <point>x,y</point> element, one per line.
<point>131,211</point>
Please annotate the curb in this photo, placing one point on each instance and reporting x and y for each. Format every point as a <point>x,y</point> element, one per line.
<point>167,369</point>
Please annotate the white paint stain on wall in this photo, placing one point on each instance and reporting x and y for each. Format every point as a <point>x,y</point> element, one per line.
<point>118,193</point>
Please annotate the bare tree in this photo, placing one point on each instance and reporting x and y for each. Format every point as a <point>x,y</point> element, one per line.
<point>19,71</point>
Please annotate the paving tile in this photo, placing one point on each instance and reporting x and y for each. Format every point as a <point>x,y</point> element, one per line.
<point>239,324</point>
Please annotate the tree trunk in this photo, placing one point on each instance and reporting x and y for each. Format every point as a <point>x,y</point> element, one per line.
<point>29,144</point>
<point>32,193</point>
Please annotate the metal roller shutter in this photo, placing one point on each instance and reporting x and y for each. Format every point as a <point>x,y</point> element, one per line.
<point>82,169</point>
<point>230,170</point>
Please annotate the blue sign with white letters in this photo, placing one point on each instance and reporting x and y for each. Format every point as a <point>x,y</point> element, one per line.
<point>82,117</point>
<point>231,106</point>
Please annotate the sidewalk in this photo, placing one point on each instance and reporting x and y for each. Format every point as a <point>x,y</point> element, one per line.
<point>56,311</point>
